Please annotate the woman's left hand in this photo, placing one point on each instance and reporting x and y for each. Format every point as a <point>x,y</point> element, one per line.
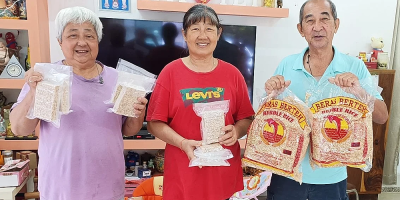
<point>140,107</point>
<point>230,137</point>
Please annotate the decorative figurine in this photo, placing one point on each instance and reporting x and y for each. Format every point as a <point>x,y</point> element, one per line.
<point>4,55</point>
<point>124,6</point>
<point>28,61</point>
<point>12,45</point>
<point>22,9</point>
<point>115,4</point>
<point>269,3</point>
<point>106,4</point>
<point>11,40</point>
<point>279,3</point>
<point>377,45</point>
<point>3,99</point>
<point>202,1</point>
<point>13,7</point>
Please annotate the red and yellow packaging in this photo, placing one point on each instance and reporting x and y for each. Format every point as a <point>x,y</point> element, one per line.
<point>278,138</point>
<point>341,133</point>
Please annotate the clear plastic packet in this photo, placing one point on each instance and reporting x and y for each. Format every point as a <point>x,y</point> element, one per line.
<point>342,133</point>
<point>129,87</point>
<point>126,66</point>
<point>53,97</point>
<point>211,155</point>
<point>278,137</point>
<point>212,119</point>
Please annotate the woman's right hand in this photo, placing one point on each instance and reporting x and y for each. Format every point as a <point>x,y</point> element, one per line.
<point>188,146</point>
<point>32,78</point>
<point>276,83</point>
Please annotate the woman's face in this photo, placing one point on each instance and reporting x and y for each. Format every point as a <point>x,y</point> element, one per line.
<point>202,38</point>
<point>79,44</point>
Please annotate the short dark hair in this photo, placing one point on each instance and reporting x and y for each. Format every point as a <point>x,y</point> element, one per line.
<point>200,12</point>
<point>333,10</point>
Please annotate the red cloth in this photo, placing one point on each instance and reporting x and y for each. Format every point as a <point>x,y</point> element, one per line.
<point>176,89</point>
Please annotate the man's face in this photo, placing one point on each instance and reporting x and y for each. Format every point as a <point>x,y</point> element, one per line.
<point>318,26</point>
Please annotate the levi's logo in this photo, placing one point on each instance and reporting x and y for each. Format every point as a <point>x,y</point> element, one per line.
<point>201,95</point>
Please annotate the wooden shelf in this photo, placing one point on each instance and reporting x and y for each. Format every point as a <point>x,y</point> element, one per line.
<point>128,144</point>
<point>11,83</point>
<point>219,9</point>
<point>19,144</point>
<point>14,24</point>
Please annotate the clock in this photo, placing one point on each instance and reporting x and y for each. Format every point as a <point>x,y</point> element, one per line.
<point>14,70</point>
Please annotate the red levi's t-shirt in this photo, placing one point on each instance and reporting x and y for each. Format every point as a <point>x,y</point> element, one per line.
<point>172,100</point>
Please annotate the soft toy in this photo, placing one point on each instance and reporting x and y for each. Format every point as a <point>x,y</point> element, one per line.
<point>150,189</point>
<point>254,186</point>
<point>377,45</point>
<point>11,40</point>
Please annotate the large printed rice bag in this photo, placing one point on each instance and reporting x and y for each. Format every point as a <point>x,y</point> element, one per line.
<point>342,126</point>
<point>279,135</point>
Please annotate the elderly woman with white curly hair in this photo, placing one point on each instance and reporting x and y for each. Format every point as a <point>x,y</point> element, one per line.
<point>83,159</point>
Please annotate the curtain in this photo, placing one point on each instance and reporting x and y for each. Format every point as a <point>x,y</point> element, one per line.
<point>393,137</point>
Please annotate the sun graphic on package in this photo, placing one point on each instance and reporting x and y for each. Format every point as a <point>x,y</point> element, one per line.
<point>336,128</point>
<point>273,131</point>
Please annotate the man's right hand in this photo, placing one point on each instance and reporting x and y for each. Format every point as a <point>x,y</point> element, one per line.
<point>276,83</point>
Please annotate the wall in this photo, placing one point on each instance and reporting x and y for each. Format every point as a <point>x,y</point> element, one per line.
<point>276,38</point>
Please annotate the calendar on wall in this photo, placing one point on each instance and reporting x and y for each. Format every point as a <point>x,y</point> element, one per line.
<point>116,5</point>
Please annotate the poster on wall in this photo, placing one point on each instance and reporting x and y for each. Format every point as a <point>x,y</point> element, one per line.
<point>116,5</point>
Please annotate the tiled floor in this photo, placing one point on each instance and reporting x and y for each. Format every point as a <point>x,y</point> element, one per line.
<point>390,192</point>
<point>389,196</point>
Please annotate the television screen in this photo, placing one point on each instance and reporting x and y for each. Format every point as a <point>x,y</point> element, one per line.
<point>153,44</point>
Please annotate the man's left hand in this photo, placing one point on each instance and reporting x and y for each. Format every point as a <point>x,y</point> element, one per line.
<point>347,79</point>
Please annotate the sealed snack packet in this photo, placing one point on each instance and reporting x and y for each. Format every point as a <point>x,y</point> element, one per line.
<point>212,119</point>
<point>278,138</point>
<point>342,125</point>
<point>211,153</point>
<point>133,82</point>
<point>53,97</point>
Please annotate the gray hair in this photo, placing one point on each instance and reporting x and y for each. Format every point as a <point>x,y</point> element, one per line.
<point>77,15</point>
<point>200,12</point>
<point>333,10</point>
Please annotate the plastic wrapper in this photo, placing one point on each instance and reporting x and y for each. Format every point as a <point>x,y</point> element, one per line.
<point>212,119</point>
<point>129,87</point>
<point>53,97</point>
<point>342,133</point>
<point>254,186</point>
<point>278,137</point>
<point>211,155</point>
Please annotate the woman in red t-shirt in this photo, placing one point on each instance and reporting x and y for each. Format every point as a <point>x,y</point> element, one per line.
<point>198,78</point>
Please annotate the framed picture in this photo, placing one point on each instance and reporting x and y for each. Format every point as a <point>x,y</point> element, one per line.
<point>115,5</point>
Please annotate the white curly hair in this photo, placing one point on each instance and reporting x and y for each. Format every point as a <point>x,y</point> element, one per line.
<point>77,15</point>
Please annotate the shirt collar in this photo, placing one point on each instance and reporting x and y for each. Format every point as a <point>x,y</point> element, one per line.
<point>334,67</point>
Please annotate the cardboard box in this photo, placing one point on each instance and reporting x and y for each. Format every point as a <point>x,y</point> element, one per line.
<point>28,155</point>
<point>14,177</point>
<point>371,65</point>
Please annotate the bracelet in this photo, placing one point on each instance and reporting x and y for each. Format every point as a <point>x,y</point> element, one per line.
<point>181,142</point>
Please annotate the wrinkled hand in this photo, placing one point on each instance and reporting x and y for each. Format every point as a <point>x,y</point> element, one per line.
<point>140,107</point>
<point>350,84</point>
<point>230,137</point>
<point>347,79</point>
<point>32,78</point>
<point>188,147</point>
<point>276,83</point>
